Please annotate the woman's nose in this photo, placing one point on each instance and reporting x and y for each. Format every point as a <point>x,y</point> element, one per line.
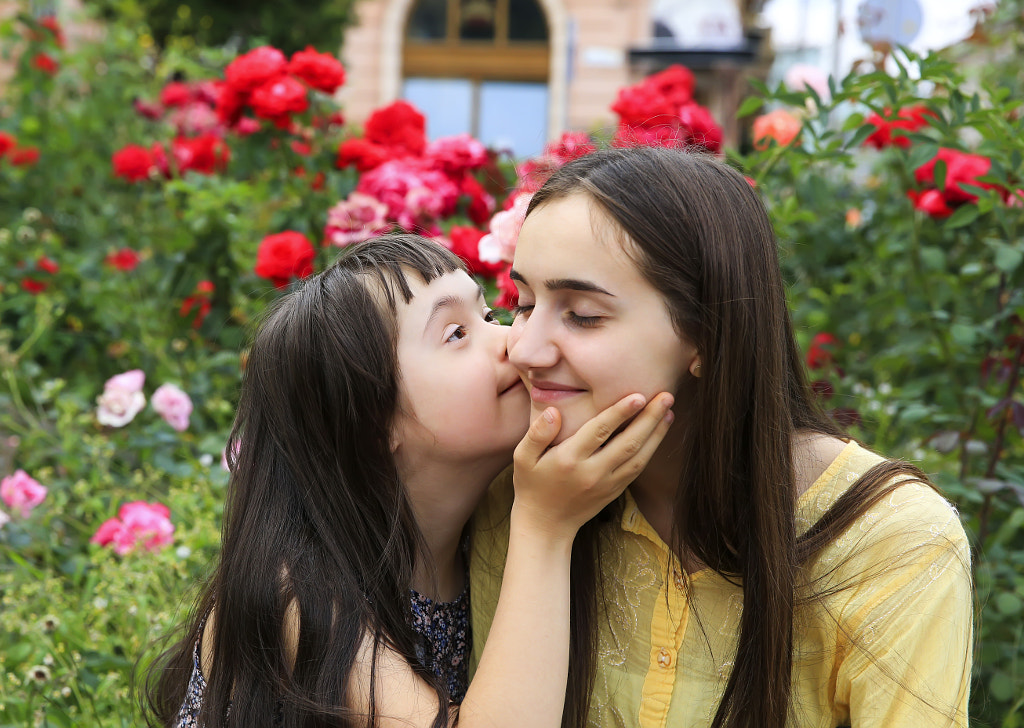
<point>530,346</point>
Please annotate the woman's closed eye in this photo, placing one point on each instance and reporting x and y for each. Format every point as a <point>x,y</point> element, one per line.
<point>584,322</point>
<point>521,309</point>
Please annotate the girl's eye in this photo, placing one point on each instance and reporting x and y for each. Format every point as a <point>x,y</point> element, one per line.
<point>584,322</point>
<point>459,333</point>
<point>490,318</point>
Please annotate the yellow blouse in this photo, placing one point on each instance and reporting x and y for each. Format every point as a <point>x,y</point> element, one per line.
<point>891,647</point>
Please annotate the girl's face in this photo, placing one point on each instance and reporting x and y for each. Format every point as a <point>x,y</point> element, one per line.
<point>589,329</point>
<point>461,399</point>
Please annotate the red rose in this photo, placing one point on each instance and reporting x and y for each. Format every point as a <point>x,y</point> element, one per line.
<point>160,159</point>
<point>400,127</point>
<point>175,94</point>
<point>45,63</point>
<point>643,105</point>
<point>205,154</point>
<point>255,68</point>
<point>911,118</point>
<point>481,204</point>
<point>47,264</point>
<point>301,148</point>
<point>133,163</point>
<point>33,286</point>
<point>363,154</point>
<point>571,145</point>
<point>23,156</point>
<point>701,128</point>
<point>200,300</point>
<point>931,202</point>
<point>50,23</point>
<point>821,352</point>
<point>508,293</point>
<point>124,259</point>
<point>671,136</point>
<point>230,103</point>
<point>284,256</point>
<point>466,244</point>
<point>961,168</point>
<point>278,98</point>
<point>322,71</point>
<point>7,143</point>
<point>676,83</point>
<point>148,109</point>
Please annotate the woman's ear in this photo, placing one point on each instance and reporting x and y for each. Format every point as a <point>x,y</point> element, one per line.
<point>695,367</point>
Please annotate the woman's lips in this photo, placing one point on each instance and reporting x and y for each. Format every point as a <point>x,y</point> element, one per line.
<point>551,393</point>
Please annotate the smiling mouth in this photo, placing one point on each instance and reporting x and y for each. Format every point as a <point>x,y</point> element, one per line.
<point>551,395</point>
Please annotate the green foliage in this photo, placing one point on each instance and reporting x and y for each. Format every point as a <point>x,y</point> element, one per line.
<point>929,311</point>
<point>288,26</point>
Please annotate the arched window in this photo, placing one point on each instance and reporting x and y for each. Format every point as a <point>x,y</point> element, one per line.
<point>480,66</point>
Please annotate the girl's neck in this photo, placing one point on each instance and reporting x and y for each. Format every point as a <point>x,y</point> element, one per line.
<point>443,498</point>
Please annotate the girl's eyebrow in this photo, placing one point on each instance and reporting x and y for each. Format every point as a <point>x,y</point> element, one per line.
<point>449,301</point>
<point>564,284</point>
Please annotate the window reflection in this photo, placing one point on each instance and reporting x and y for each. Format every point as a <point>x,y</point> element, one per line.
<point>476,21</point>
<point>526,21</point>
<point>428,20</point>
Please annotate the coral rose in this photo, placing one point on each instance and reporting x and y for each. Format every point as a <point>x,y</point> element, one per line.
<point>255,68</point>
<point>779,126</point>
<point>21,493</point>
<point>321,71</point>
<point>284,256</point>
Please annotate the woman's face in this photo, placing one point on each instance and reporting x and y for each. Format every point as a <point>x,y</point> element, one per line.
<point>589,329</point>
<point>461,400</point>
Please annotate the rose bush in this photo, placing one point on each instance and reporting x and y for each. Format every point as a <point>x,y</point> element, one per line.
<point>155,202</point>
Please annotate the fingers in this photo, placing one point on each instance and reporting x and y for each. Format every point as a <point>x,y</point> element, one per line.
<point>632,448</point>
<point>539,437</point>
<point>596,431</point>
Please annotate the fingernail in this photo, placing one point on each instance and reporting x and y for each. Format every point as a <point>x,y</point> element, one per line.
<point>670,417</point>
<point>637,401</point>
<point>549,415</point>
<point>668,401</point>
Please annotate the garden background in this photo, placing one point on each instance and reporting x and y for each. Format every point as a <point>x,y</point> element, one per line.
<point>156,196</point>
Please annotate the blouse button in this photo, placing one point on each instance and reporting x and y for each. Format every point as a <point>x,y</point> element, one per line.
<point>665,658</point>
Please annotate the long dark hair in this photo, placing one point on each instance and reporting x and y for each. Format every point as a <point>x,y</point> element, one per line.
<point>701,236</point>
<point>316,515</point>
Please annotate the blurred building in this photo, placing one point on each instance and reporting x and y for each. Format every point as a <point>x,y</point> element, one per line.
<point>516,73</point>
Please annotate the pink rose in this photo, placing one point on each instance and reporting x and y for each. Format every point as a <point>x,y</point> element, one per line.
<point>122,399</point>
<point>21,493</point>
<point>4,519</point>
<point>456,154</point>
<point>173,405</point>
<point>802,75</point>
<point>356,218</point>
<point>415,196</point>
<point>500,243</point>
<point>138,523</point>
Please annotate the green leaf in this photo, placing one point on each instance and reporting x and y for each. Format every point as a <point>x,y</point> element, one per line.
<point>965,215</point>
<point>933,258</point>
<point>1001,687</point>
<point>749,106</point>
<point>1008,258</point>
<point>963,334</point>
<point>1009,603</point>
<point>922,153</point>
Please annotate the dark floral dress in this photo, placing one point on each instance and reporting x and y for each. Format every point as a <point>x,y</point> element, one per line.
<point>444,645</point>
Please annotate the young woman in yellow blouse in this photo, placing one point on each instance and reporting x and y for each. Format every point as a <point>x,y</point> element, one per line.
<point>763,570</point>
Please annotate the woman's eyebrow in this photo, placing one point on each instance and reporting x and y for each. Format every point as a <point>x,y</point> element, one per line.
<point>564,284</point>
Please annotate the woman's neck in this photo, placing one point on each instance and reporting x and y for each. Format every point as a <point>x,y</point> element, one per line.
<point>655,488</point>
